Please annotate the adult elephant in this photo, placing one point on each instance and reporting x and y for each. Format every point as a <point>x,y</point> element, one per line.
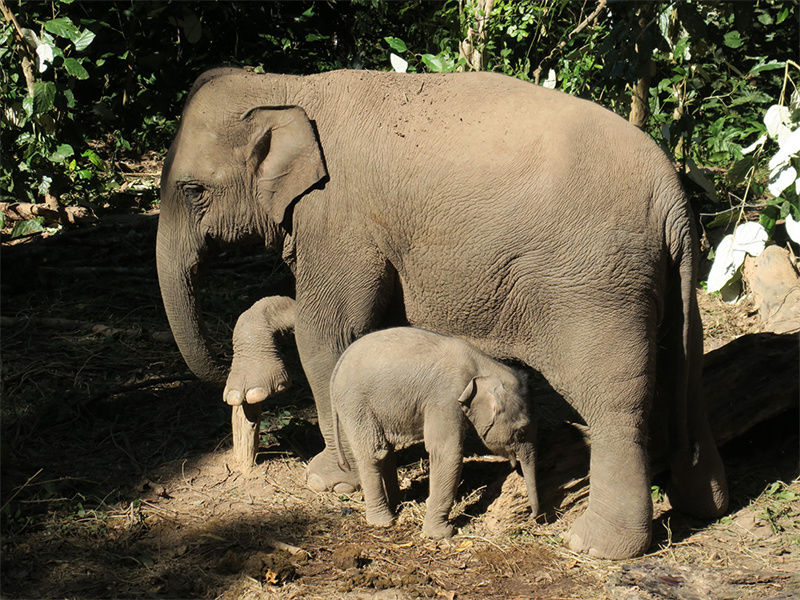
<point>540,227</point>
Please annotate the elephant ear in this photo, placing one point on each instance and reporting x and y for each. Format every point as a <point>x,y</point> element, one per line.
<point>285,157</point>
<point>479,402</point>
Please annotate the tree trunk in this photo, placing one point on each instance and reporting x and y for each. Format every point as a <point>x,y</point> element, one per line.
<point>640,107</point>
<point>473,48</point>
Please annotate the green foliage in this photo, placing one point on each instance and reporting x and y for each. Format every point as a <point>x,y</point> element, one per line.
<point>120,72</point>
<point>41,126</point>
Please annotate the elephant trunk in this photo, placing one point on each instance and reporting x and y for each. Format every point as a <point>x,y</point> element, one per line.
<point>526,454</point>
<point>177,267</point>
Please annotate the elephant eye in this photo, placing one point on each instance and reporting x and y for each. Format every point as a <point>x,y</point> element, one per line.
<point>192,191</point>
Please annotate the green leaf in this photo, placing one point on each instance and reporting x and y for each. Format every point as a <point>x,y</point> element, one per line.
<point>44,92</point>
<point>768,218</point>
<point>438,63</point>
<point>70,96</point>
<point>732,39</point>
<point>723,219</point>
<point>782,16</point>
<point>27,106</point>
<point>316,37</point>
<point>75,68</point>
<point>765,18</point>
<point>62,27</point>
<point>2,220</point>
<point>63,151</point>
<point>740,169</point>
<point>773,64</point>
<point>34,225</point>
<point>83,40</point>
<point>396,44</point>
<point>94,159</point>
<point>192,28</point>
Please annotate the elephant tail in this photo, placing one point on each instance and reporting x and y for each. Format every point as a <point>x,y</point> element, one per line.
<point>337,437</point>
<point>682,330</point>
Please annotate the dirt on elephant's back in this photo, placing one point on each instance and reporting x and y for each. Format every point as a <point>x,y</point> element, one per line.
<point>117,479</point>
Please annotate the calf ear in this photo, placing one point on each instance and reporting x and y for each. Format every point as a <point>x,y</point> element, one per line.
<point>479,402</point>
<point>285,158</point>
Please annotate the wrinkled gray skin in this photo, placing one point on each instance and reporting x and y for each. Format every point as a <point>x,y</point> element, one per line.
<point>257,370</point>
<point>539,227</point>
<point>399,386</point>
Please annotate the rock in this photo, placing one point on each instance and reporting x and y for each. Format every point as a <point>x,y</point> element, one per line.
<point>775,286</point>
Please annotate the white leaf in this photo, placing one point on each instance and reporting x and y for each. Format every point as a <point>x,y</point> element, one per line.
<point>724,266</point>
<point>793,228</point>
<point>791,143</point>
<point>550,82</point>
<point>788,146</point>
<point>776,119</point>
<point>398,64</point>
<point>781,178</point>
<point>754,145</point>
<point>44,57</point>
<point>30,36</point>
<point>750,237</point>
<point>747,238</point>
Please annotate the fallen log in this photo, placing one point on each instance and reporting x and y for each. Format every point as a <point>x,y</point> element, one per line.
<point>746,382</point>
<point>52,215</point>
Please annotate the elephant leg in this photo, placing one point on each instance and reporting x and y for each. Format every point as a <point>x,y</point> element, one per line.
<point>618,521</point>
<point>378,507</point>
<point>390,483</point>
<point>322,334</point>
<point>698,484</point>
<point>324,472</point>
<point>446,454</point>
<point>612,389</point>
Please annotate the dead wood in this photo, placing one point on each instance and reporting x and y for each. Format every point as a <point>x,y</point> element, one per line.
<point>245,419</point>
<point>51,212</point>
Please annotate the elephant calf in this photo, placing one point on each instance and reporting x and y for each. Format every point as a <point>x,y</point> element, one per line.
<point>398,386</point>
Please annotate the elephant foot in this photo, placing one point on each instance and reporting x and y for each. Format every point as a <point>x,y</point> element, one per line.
<point>598,537</point>
<point>437,529</point>
<point>324,475</point>
<point>379,518</point>
<point>252,381</point>
<point>699,489</point>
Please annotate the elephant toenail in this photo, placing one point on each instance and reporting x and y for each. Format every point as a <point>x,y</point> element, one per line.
<point>233,397</point>
<point>316,483</point>
<point>256,395</point>
<point>343,488</point>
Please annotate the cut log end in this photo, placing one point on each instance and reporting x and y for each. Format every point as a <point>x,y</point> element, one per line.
<point>245,420</point>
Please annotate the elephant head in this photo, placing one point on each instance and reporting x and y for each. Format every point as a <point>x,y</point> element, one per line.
<point>499,412</point>
<point>233,171</point>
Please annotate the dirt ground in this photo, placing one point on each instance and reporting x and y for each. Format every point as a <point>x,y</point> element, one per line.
<point>117,479</point>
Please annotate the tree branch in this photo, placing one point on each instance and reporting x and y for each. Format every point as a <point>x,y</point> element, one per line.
<point>27,54</point>
<point>601,6</point>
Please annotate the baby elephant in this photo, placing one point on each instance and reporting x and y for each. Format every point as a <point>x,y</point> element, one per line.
<point>398,386</point>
